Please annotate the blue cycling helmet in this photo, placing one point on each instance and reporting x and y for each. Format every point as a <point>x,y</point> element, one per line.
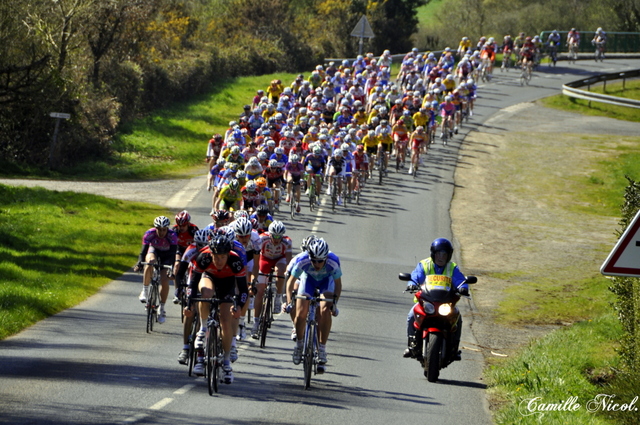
<point>441,244</point>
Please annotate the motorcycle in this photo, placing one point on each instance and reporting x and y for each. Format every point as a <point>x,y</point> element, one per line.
<point>437,321</point>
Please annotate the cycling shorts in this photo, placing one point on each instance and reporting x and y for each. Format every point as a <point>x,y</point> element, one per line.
<point>372,150</point>
<point>308,285</point>
<point>223,287</point>
<point>277,180</point>
<point>165,257</point>
<point>387,147</point>
<point>268,264</point>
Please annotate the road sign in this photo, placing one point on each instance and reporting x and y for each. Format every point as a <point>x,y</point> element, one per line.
<point>624,259</point>
<point>60,115</point>
<point>363,29</point>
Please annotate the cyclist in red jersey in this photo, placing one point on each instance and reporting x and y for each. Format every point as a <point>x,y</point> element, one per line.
<point>224,276</point>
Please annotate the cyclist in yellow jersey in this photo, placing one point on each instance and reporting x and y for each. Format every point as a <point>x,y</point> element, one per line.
<point>229,197</point>
<point>360,117</point>
<point>465,44</point>
<point>386,142</point>
<point>420,118</point>
<point>449,83</point>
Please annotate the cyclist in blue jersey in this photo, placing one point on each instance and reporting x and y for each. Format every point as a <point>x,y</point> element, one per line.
<point>317,268</point>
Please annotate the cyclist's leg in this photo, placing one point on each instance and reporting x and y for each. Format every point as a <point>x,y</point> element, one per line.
<point>325,319</point>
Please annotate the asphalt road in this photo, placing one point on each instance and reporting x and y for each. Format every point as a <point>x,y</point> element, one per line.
<point>94,364</point>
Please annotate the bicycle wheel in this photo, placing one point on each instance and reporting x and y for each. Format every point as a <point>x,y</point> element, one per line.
<point>213,366</point>
<point>307,354</point>
<point>265,315</point>
<point>152,305</point>
<point>192,340</point>
<point>381,169</point>
<point>293,208</point>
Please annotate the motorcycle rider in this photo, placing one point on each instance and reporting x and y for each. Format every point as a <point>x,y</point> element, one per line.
<point>439,264</point>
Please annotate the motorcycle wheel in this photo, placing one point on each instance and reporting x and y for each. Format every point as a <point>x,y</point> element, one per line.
<point>431,353</point>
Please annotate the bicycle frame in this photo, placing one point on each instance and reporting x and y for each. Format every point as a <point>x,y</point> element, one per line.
<point>153,300</point>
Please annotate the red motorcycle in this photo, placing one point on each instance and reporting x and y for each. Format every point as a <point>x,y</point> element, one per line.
<point>437,321</point>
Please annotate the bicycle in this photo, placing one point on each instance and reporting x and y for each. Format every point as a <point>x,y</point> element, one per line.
<point>213,353</point>
<point>382,170</point>
<point>357,189</point>
<point>153,299</point>
<point>313,192</point>
<point>311,343</point>
<point>553,54</point>
<point>525,76</point>
<point>295,198</point>
<point>195,327</point>
<point>266,315</point>
<point>573,52</point>
<point>599,54</point>
<point>506,62</point>
<point>334,191</point>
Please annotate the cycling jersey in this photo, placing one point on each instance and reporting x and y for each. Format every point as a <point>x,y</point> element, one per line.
<point>226,280</point>
<point>185,238</point>
<point>447,109</point>
<point>310,278</point>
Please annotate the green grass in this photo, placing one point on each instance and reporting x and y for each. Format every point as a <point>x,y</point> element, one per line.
<point>576,361</point>
<point>578,180</point>
<point>172,142</point>
<point>632,91</point>
<point>58,248</point>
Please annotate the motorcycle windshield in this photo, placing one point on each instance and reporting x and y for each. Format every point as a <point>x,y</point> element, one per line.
<point>437,295</point>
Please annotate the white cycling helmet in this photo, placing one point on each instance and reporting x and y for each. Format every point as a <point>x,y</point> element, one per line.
<point>319,249</point>
<point>243,226</point>
<point>161,221</point>
<point>237,215</point>
<point>277,229</point>
<point>201,237</point>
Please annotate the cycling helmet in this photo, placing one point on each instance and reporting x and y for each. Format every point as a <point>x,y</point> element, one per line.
<point>317,150</point>
<point>307,241</point>
<point>278,151</point>
<point>318,249</point>
<point>251,186</point>
<point>261,182</point>
<point>183,218</point>
<point>441,244</point>
<point>273,163</point>
<point>277,229</point>
<point>235,150</point>
<point>253,161</point>
<point>220,245</point>
<point>241,174</point>
<point>240,214</point>
<point>294,158</point>
<point>161,221</point>
<point>234,185</point>
<point>448,98</point>
<point>337,153</point>
<point>243,227</point>
<point>201,237</point>
<point>271,143</point>
<point>228,231</point>
<point>220,215</point>
<point>262,209</point>
<point>262,156</point>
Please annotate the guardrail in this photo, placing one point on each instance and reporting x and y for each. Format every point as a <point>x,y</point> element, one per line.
<point>571,89</point>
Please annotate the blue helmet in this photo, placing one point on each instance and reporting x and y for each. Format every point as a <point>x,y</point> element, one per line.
<point>441,244</point>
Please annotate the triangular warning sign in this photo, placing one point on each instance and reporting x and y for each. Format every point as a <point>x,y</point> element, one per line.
<point>363,29</point>
<point>624,259</point>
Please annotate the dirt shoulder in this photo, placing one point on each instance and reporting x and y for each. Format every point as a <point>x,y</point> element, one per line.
<point>508,228</point>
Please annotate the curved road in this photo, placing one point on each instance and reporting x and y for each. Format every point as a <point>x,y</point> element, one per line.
<point>95,364</point>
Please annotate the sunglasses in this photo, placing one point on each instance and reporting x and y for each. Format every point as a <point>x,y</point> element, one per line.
<point>317,261</point>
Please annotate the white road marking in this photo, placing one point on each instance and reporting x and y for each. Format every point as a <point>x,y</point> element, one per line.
<point>162,403</point>
<point>184,389</point>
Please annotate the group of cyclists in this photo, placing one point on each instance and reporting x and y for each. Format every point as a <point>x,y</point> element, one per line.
<point>229,259</point>
<point>341,122</point>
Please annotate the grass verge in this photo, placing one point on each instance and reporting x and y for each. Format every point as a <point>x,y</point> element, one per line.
<point>572,362</point>
<point>556,197</point>
<point>631,91</point>
<point>169,143</point>
<point>58,248</point>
